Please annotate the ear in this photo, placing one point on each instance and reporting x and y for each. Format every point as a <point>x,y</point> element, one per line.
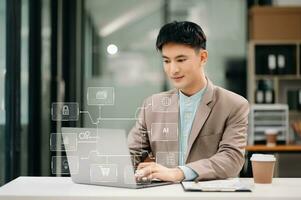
<point>203,55</point>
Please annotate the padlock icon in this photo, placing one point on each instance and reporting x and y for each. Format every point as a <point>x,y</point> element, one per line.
<point>65,165</point>
<point>65,110</point>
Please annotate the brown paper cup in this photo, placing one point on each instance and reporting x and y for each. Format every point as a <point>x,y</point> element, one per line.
<point>263,168</point>
<point>271,137</point>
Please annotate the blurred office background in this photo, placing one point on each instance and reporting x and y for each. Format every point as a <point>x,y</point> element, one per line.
<point>55,50</point>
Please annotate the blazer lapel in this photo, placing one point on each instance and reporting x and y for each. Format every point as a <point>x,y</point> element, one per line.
<point>201,116</point>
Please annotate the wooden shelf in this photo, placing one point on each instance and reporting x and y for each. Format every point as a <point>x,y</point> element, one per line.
<point>274,42</point>
<point>294,112</point>
<point>280,81</point>
<point>277,148</point>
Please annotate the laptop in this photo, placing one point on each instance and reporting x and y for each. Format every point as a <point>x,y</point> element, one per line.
<point>101,157</point>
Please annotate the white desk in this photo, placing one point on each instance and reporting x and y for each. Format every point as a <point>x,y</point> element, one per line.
<point>62,188</point>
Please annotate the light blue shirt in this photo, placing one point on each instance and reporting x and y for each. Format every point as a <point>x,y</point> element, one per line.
<point>188,108</point>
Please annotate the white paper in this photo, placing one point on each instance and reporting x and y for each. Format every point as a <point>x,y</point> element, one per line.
<point>216,185</point>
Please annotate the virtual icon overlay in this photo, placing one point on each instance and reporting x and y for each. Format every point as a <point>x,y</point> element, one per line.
<point>168,159</point>
<point>164,103</point>
<point>168,131</point>
<point>69,142</point>
<point>64,164</point>
<point>100,96</point>
<point>79,151</point>
<point>103,173</point>
<point>65,111</point>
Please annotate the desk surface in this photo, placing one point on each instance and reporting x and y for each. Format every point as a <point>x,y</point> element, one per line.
<point>277,148</point>
<point>62,188</point>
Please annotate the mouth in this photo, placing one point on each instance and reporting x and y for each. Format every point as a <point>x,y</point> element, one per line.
<point>177,78</point>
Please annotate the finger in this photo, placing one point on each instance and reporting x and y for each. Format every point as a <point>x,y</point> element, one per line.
<point>144,172</point>
<point>144,179</point>
<point>138,178</point>
<point>154,176</point>
<point>150,177</point>
<point>138,173</point>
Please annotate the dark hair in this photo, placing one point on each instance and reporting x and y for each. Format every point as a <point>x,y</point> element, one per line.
<point>184,32</point>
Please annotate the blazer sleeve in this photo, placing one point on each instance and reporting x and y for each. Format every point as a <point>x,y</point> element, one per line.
<point>138,140</point>
<point>229,158</point>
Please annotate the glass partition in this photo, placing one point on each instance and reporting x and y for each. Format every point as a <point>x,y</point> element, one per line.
<point>121,55</point>
<point>2,89</point>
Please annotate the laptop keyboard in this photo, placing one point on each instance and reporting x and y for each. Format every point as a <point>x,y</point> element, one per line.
<point>148,182</point>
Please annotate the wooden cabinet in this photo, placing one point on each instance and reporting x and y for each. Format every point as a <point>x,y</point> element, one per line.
<point>285,83</point>
<point>275,23</point>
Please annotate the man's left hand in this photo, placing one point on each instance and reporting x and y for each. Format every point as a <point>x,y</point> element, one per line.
<point>152,170</point>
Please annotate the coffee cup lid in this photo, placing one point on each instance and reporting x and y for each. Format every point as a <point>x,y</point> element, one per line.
<point>271,131</point>
<point>263,157</point>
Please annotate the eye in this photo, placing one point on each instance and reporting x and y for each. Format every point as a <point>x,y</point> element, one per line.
<point>166,61</point>
<point>181,60</point>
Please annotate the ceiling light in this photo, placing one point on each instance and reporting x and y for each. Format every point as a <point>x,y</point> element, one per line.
<point>112,49</point>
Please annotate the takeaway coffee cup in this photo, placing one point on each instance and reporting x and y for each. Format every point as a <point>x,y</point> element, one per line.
<point>271,137</point>
<point>263,168</point>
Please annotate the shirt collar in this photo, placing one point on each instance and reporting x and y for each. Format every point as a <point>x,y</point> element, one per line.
<point>194,98</point>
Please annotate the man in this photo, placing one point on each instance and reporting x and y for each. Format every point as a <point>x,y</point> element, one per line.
<point>211,123</point>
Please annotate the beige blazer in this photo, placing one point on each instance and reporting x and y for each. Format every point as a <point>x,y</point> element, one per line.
<point>216,144</point>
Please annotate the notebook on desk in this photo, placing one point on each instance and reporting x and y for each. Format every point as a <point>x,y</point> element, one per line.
<point>228,185</point>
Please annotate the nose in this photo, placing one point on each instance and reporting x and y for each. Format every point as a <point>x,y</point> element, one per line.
<point>174,69</point>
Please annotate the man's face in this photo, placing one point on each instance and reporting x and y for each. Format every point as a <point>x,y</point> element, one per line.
<point>183,66</point>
